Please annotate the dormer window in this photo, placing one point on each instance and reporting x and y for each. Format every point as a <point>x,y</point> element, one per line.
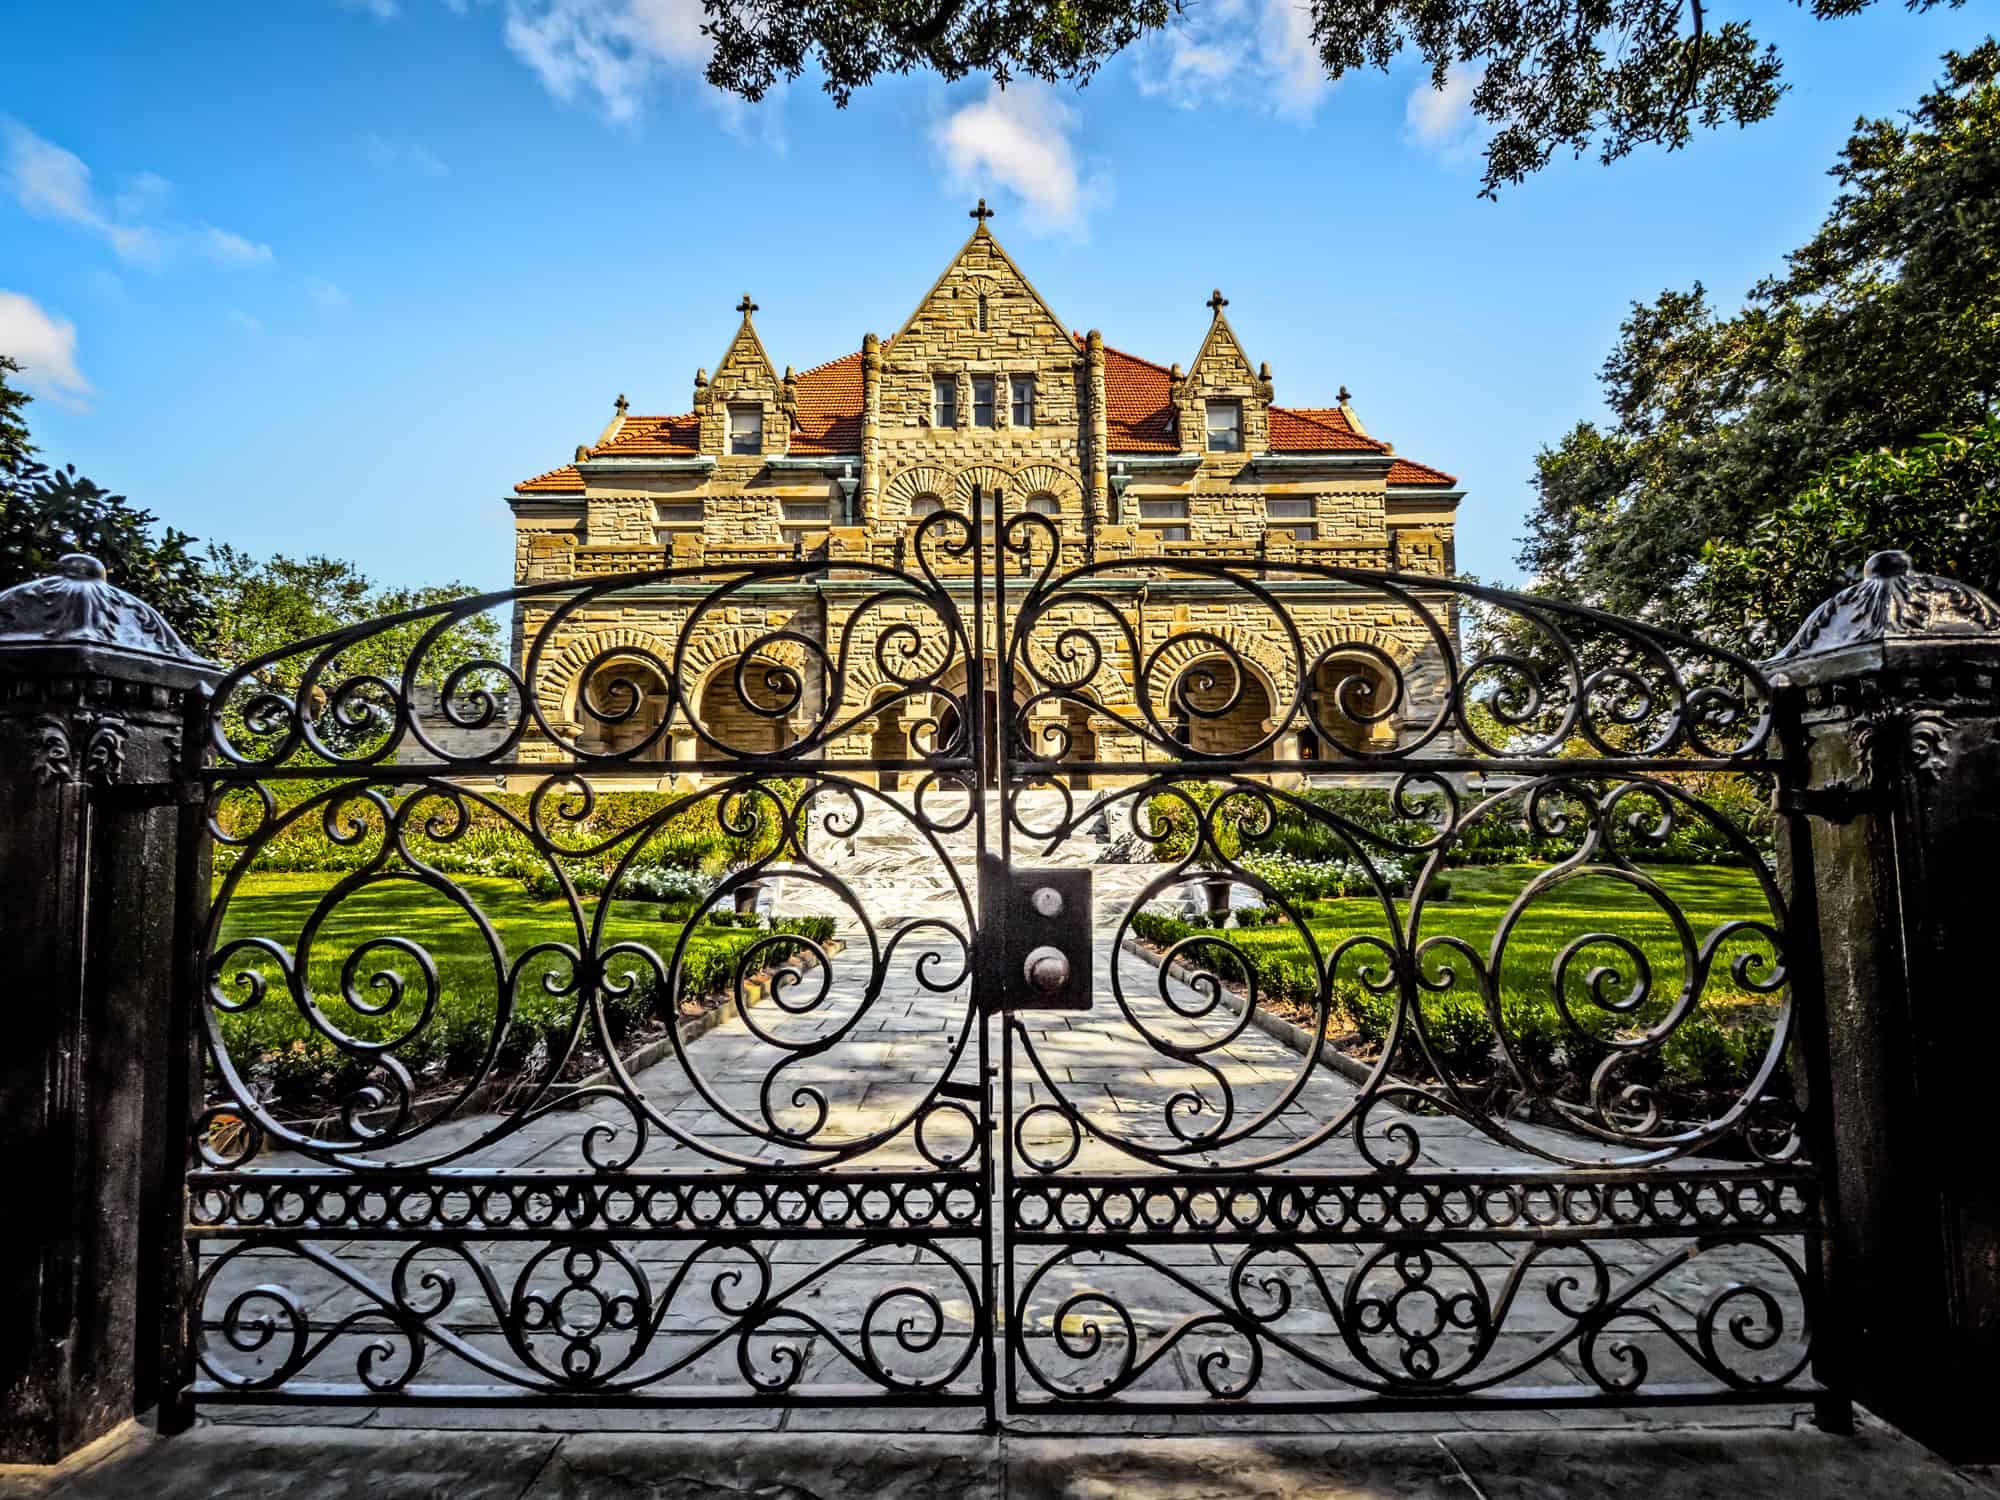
<point>982,401</point>
<point>1023,391</point>
<point>944,401</point>
<point>746,429</point>
<point>1225,427</point>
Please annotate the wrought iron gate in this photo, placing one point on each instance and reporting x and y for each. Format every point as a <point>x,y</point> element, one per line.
<point>475,1134</point>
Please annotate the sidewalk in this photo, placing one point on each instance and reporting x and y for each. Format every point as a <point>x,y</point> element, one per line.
<point>1655,1462</point>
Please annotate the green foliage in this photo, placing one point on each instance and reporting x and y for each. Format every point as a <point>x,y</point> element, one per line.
<point>46,512</point>
<point>1569,75</point>
<point>1810,406</point>
<point>1938,500</point>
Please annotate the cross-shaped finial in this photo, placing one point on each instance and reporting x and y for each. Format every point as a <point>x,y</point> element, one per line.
<point>1345,397</point>
<point>620,404</point>
<point>1217,302</point>
<point>746,306</point>
<point>981,213</point>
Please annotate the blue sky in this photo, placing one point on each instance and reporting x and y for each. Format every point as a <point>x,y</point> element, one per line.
<point>331,275</point>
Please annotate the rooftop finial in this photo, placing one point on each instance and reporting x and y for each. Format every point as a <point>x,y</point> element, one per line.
<point>981,213</point>
<point>746,307</point>
<point>1217,302</point>
<point>1345,395</point>
<point>621,405</point>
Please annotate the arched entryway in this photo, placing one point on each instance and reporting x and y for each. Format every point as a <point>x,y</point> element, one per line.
<point>619,707</point>
<point>1351,708</point>
<point>748,711</point>
<point>1219,706</point>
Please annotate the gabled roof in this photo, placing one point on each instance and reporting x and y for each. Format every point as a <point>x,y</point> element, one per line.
<point>1138,406</point>
<point>830,407</point>
<point>1408,471</point>
<point>1317,429</point>
<point>1138,399</point>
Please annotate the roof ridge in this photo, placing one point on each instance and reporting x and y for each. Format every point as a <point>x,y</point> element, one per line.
<point>840,359</point>
<point>1138,359</point>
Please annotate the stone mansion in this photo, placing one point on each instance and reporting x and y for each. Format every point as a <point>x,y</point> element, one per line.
<point>984,389</point>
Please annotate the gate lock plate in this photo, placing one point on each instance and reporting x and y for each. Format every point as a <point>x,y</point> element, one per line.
<point>1045,939</point>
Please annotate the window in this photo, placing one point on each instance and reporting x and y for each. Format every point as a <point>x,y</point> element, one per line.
<point>944,401</point>
<point>1288,507</point>
<point>1023,414</point>
<point>1225,427</point>
<point>925,505</point>
<point>805,520</point>
<point>1170,533</point>
<point>982,312</point>
<point>1045,504</point>
<point>677,512</point>
<point>982,401</point>
<point>746,429</point>
<point>1163,510</point>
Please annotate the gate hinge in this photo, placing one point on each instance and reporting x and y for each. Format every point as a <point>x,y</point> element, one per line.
<point>1836,802</point>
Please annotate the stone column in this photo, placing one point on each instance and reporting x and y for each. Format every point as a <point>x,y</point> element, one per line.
<point>103,858</point>
<point>871,430</point>
<point>1100,437</point>
<point>1888,704</point>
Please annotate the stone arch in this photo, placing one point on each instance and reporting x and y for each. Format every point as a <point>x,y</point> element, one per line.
<point>989,478</point>
<point>1415,658</point>
<point>906,486</point>
<point>556,677</point>
<point>1046,479</point>
<point>1266,655</point>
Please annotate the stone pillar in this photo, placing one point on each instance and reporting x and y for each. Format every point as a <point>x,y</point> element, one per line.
<point>871,430</point>
<point>1100,437</point>
<point>1888,706</point>
<point>103,857</point>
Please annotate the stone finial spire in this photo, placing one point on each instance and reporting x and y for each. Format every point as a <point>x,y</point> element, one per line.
<point>746,307</point>
<point>1216,302</point>
<point>981,213</point>
<point>621,405</point>
<point>1344,395</point>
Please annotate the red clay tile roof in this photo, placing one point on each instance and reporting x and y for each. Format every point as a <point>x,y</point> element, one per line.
<point>563,481</point>
<point>1137,393</point>
<point>653,437</point>
<point>1139,414</point>
<point>1409,471</point>
<point>1317,429</point>
<point>830,407</point>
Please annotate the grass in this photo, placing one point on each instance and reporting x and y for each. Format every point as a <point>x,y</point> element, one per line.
<point>1720,1043</point>
<point>377,928</point>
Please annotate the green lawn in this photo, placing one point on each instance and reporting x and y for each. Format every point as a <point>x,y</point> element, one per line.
<point>1720,1040</point>
<point>372,928</point>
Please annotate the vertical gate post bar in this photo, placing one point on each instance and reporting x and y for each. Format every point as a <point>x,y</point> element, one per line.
<point>173,1381</point>
<point>94,690</point>
<point>1892,692</point>
<point>1833,1407</point>
<point>984,936</point>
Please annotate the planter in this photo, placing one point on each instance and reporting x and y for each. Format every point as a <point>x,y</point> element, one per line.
<point>746,896</point>
<point>1216,889</point>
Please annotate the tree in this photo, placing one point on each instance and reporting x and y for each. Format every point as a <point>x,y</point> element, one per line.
<point>265,606</point>
<point>46,512</point>
<point>1554,76</point>
<point>1938,500</point>
<point>1883,329</point>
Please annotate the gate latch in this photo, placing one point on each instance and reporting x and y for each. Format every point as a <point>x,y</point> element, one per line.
<point>1045,937</point>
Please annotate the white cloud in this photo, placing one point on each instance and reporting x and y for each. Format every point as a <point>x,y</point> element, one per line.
<point>52,183</point>
<point>227,249</point>
<point>401,156</point>
<point>1244,52</point>
<point>611,50</point>
<point>1019,138</point>
<point>324,292</point>
<point>1442,120</point>
<point>44,345</point>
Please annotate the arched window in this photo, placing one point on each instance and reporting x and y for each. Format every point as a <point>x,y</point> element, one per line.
<point>925,505</point>
<point>1044,504</point>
